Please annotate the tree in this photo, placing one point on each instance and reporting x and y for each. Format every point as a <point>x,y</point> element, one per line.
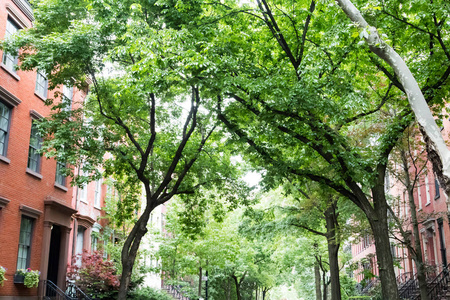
<point>407,167</point>
<point>148,124</point>
<point>437,150</point>
<point>308,98</point>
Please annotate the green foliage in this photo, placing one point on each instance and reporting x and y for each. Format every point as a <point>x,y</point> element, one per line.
<point>148,293</point>
<point>30,277</point>
<point>2,275</point>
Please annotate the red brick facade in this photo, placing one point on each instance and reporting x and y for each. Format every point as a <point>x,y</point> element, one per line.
<point>51,207</point>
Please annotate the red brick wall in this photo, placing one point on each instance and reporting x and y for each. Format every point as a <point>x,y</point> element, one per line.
<point>15,184</point>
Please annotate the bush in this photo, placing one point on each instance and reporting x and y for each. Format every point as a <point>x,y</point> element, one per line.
<point>95,276</point>
<point>148,293</point>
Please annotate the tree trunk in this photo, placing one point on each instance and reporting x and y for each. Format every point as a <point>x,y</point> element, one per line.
<point>228,289</point>
<point>434,140</point>
<point>325,286</point>
<point>237,284</point>
<point>264,293</point>
<point>199,281</point>
<point>333,248</point>
<point>317,280</point>
<point>130,249</point>
<point>378,223</point>
<point>417,249</point>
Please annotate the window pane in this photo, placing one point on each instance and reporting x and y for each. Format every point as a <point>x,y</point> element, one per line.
<point>23,255</point>
<point>41,84</point>
<point>9,60</point>
<point>4,127</point>
<point>35,145</point>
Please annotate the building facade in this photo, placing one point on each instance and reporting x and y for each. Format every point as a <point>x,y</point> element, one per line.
<point>43,220</point>
<point>432,209</point>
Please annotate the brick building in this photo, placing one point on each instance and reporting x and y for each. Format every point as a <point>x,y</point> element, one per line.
<point>432,207</point>
<point>43,220</point>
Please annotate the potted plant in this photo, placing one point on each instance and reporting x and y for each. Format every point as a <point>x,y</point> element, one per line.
<point>30,278</point>
<point>2,275</point>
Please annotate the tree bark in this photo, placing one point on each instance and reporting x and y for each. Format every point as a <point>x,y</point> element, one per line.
<point>379,225</point>
<point>333,248</point>
<point>417,249</point>
<point>130,249</point>
<point>237,284</point>
<point>199,281</point>
<point>434,140</point>
<point>317,281</point>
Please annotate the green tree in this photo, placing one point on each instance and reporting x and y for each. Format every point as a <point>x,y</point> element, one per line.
<point>311,103</point>
<point>149,123</point>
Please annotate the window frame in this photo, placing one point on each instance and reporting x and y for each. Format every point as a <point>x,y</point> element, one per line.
<point>29,247</point>
<point>35,149</point>
<point>4,151</point>
<point>98,193</point>
<point>44,85</point>
<point>59,166</point>
<point>8,56</point>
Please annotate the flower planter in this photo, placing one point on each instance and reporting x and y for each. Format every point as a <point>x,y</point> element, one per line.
<point>18,278</point>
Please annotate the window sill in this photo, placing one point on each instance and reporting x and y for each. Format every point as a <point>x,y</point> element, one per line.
<point>33,173</point>
<point>10,72</point>
<point>437,197</point>
<point>61,187</point>
<point>40,97</point>
<point>84,201</point>
<point>97,207</point>
<point>428,203</point>
<point>5,159</point>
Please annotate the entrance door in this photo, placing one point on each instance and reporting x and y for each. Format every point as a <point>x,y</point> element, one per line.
<point>53,259</point>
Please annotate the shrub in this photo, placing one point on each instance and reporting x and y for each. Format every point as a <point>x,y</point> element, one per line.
<point>95,276</point>
<point>148,293</point>
<point>2,275</point>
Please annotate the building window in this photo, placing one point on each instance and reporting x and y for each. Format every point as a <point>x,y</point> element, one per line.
<point>34,158</point>
<point>427,188</point>
<point>26,229</point>
<point>98,193</point>
<point>94,243</point>
<point>419,195</point>
<point>436,187</point>
<point>5,116</point>
<point>10,60</point>
<point>41,84</point>
<point>67,98</point>
<point>60,178</point>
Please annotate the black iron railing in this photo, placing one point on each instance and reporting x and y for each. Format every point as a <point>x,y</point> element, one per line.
<point>52,291</point>
<point>369,286</point>
<point>176,292</point>
<point>75,293</point>
<point>409,289</point>
<point>439,286</point>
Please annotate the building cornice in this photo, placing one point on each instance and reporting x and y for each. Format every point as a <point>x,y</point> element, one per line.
<point>25,7</point>
<point>8,97</point>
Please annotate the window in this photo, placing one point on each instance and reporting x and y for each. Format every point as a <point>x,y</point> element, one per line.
<point>427,188</point>
<point>23,257</point>
<point>10,60</point>
<point>436,186</point>
<point>82,192</point>
<point>41,84</point>
<point>34,158</point>
<point>67,98</point>
<point>94,243</point>
<point>5,116</point>
<point>60,178</point>
<point>419,195</point>
<point>98,193</point>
